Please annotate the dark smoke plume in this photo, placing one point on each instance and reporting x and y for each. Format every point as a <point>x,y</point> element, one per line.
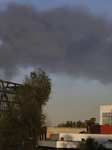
<point>68,40</point>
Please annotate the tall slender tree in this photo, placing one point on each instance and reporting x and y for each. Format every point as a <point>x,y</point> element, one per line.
<point>27,114</point>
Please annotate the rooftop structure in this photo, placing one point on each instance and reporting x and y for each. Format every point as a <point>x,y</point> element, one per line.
<point>71,141</point>
<point>47,131</point>
<point>105,114</point>
<point>7,91</point>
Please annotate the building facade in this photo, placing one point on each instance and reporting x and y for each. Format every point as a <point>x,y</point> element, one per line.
<point>7,91</point>
<point>47,131</point>
<point>105,114</point>
<point>64,141</point>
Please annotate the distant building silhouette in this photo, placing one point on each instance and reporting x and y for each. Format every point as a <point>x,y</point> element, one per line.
<point>7,91</point>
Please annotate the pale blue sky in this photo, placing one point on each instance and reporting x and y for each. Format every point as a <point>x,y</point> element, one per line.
<point>74,98</point>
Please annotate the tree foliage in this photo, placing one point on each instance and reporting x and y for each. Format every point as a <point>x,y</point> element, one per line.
<point>21,125</point>
<point>90,144</point>
<point>12,131</point>
<point>92,119</point>
<point>78,124</point>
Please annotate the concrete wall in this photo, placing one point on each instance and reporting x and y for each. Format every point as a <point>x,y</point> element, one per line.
<point>58,144</point>
<point>66,144</point>
<point>79,137</point>
<point>47,143</point>
<point>54,137</point>
<point>55,130</point>
<point>104,109</point>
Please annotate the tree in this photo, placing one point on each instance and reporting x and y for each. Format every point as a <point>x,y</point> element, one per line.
<point>79,123</point>
<point>90,144</point>
<point>62,125</point>
<point>67,124</point>
<point>92,119</point>
<point>28,115</point>
<point>73,124</point>
<point>12,131</point>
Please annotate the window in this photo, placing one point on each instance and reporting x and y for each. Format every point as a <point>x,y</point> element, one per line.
<point>107,118</point>
<point>10,96</point>
<point>3,105</point>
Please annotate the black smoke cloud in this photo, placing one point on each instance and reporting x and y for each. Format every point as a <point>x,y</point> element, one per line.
<point>68,40</point>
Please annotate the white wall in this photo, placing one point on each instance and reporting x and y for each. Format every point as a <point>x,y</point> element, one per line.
<point>103,109</point>
<point>78,137</point>
<point>47,143</point>
<point>67,144</point>
<point>58,144</point>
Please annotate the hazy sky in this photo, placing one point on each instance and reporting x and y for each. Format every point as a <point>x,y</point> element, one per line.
<point>71,40</point>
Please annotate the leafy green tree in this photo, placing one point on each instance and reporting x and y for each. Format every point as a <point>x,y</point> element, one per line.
<point>82,146</point>
<point>62,125</point>
<point>26,118</point>
<point>90,144</point>
<point>73,124</point>
<point>12,131</point>
<point>79,123</point>
<point>69,124</point>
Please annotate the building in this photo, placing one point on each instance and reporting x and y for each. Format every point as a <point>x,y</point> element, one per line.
<point>105,114</point>
<point>7,91</point>
<point>100,129</point>
<point>69,138</point>
<point>71,141</point>
<point>51,130</point>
